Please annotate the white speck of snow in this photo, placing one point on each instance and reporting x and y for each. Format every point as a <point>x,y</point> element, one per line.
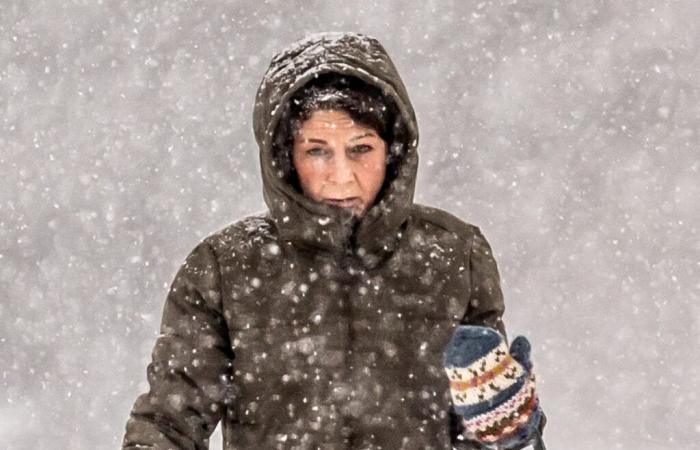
<point>274,249</point>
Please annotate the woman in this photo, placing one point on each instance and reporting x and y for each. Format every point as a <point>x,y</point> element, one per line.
<point>322,322</point>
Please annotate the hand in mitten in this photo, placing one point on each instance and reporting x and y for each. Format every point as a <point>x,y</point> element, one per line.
<point>492,388</point>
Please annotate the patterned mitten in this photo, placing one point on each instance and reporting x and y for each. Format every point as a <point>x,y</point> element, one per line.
<point>493,389</point>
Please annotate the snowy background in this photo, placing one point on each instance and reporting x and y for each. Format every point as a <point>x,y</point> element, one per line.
<point>568,131</point>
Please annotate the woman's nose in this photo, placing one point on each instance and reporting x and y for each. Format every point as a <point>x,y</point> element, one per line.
<point>341,171</point>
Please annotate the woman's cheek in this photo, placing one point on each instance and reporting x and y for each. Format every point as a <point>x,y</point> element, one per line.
<point>377,168</point>
<point>319,165</point>
<point>315,176</point>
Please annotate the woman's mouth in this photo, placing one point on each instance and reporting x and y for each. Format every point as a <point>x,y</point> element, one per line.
<point>349,202</point>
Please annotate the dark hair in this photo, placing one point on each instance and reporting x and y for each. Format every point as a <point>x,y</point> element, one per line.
<point>364,103</point>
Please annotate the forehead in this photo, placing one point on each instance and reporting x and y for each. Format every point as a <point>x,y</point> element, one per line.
<point>329,121</point>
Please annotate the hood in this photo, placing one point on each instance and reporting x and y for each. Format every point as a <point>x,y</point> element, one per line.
<point>299,218</point>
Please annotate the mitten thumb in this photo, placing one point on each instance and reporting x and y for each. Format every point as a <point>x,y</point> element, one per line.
<point>520,351</point>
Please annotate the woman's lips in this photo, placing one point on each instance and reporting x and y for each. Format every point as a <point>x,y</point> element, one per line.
<point>349,202</point>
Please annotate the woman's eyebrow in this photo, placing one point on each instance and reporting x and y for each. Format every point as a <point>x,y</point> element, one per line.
<point>321,141</point>
<point>362,136</point>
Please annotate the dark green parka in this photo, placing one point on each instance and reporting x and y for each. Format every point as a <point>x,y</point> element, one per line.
<point>299,329</point>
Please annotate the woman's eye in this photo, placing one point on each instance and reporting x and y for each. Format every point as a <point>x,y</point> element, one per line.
<point>316,151</point>
<point>361,148</point>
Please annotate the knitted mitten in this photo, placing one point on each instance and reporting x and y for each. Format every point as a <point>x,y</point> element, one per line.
<point>492,388</point>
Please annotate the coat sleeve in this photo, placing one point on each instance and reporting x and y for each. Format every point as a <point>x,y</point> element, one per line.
<point>485,307</point>
<point>190,372</point>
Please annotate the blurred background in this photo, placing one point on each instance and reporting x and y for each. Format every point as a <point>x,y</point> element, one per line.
<point>566,130</point>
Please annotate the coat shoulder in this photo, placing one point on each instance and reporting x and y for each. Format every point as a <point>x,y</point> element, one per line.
<point>429,216</point>
<point>244,233</point>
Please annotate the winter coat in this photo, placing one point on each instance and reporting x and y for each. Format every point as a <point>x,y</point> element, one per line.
<point>300,330</point>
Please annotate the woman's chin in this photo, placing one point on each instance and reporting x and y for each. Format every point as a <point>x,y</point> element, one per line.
<point>357,211</point>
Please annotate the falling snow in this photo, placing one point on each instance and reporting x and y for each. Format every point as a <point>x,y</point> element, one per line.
<point>567,131</point>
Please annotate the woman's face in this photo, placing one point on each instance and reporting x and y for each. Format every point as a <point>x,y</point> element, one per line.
<point>339,161</point>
